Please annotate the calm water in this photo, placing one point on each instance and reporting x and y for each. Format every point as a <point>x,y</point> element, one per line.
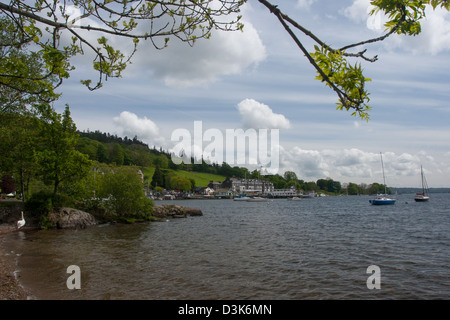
<point>309,249</point>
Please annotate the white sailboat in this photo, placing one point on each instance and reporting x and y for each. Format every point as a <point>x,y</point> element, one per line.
<point>422,196</point>
<point>382,199</point>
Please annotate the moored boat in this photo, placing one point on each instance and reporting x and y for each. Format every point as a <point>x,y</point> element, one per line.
<point>382,199</point>
<point>309,195</point>
<point>242,198</point>
<point>257,199</point>
<point>422,196</point>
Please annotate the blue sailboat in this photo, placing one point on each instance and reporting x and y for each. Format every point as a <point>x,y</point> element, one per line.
<point>382,199</point>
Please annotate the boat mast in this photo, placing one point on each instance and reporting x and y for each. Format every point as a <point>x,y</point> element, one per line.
<point>421,173</point>
<point>382,167</point>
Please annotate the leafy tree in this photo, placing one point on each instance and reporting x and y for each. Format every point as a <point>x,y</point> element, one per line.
<point>23,80</point>
<point>57,156</point>
<point>102,154</point>
<point>178,182</point>
<point>162,161</point>
<point>192,183</point>
<point>254,174</point>
<point>329,185</point>
<point>334,186</point>
<point>278,181</point>
<point>290,175</point>
<point>117,155</point>
<point>322,184</point>
<point>293,183</point>
<point>352,189</point>
<point>377,188</point>
<point>17,146</point>
<point>226,170</point>
<point>44,23</point>
<point>123,190</point>
<point>158,178</point>
<point>88,147</point>
<point>310,186</point>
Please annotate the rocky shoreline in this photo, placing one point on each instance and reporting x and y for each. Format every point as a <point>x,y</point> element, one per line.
<point>10,288</point>
<point>67,218</point>
<point>175,211</point>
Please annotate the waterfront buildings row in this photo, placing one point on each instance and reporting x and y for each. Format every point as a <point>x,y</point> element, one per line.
<point>231,188</point>
<point>250,187</point>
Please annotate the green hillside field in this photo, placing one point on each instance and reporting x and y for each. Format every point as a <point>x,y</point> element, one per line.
<point>201,179</point>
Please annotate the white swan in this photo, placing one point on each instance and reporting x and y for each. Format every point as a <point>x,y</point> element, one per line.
<point>21,222</point>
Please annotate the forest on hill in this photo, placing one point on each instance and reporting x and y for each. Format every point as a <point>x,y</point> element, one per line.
<point>111,149</point>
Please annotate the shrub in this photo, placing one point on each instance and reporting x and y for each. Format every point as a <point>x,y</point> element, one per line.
<point>42,203</point>
<point>123,193</point>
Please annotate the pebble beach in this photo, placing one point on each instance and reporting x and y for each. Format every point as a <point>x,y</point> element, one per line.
<point>10,288</point>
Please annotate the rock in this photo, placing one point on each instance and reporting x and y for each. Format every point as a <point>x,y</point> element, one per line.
<point>193,212</point>
<point>175,211</point>
<point>68,218</point>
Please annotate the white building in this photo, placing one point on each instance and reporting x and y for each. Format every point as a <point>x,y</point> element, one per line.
<point>283,193</point>
<point>248,186</point>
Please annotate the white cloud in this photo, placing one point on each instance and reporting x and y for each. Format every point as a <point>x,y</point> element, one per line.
<point>308,164</point>
<point>436,31</point>
<point>305,4</point>
<point>225,53</point>
<point>359,166</point>
<point>260,116</point>
<point>145,129</point>
<point>358,11</point>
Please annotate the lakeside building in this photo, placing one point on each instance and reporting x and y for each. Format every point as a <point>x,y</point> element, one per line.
<point>241,186</point>
<point>284,193</point>
<point>234,187</point>
<point>251,186</point>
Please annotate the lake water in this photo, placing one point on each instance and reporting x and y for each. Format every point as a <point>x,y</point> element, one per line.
<point>309,249</point>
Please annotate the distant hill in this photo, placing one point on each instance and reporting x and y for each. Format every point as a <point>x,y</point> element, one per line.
<point>111,149</point>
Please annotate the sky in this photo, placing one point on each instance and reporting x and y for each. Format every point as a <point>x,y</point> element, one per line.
<point>258,79</point>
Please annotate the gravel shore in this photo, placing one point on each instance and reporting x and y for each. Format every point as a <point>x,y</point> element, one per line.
<point>10,288</point>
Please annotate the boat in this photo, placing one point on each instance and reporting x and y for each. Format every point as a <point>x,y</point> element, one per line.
<point>382,199</point>
<point>294,198</point>
<point>241,198</point>
<point>309,195</point>
<point>422,196</point>
<point>257,199</point>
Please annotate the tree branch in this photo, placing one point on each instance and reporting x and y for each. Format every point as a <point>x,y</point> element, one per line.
<point>343,97</point>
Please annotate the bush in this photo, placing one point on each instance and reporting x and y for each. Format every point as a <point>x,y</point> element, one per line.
<point>123,193</point>
<point>42,203</point>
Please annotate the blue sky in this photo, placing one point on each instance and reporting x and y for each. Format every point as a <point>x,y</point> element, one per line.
<point>265,74</point>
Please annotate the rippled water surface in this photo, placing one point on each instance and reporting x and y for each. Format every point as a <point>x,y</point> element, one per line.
<point>309,249</point>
